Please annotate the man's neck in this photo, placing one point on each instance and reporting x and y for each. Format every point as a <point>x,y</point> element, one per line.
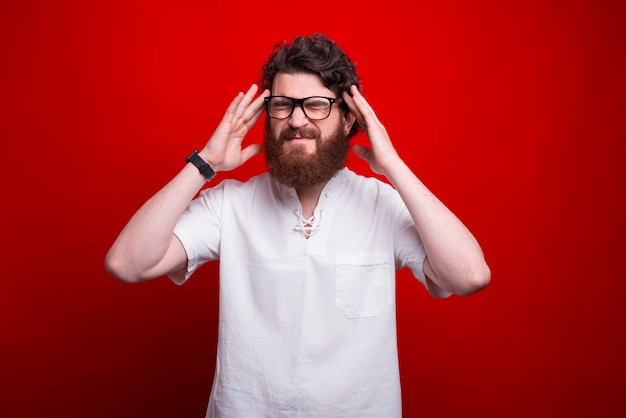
<point>308,198</point>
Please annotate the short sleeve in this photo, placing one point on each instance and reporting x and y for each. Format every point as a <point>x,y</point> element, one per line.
<point>199,231</point>
<point>409,250</point>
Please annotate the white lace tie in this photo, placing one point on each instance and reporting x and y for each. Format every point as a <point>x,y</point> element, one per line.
<point>309,227</point>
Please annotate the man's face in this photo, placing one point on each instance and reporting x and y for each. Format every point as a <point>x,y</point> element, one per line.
<point>301,152</point>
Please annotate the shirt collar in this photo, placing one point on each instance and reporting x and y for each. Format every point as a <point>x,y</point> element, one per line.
<point>335,181</point>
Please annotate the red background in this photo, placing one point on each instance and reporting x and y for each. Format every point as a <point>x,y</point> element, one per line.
<point>513,113</point>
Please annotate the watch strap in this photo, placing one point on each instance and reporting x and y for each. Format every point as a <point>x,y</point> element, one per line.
<point>204,167</point>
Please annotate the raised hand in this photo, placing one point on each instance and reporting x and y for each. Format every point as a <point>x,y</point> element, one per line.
<point>382,153</point>
<point>224,151</point>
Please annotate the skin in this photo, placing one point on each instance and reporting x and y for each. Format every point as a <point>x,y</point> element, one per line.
<point>454,260</point>
<point>146,249</point>
<point>306,85</point>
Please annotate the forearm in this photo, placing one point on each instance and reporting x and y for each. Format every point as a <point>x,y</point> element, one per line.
<point>146,247</point>
<point>139,252</point>
<point>454,258</point>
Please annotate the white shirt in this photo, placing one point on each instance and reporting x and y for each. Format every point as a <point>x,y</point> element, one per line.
<point>307,327</point>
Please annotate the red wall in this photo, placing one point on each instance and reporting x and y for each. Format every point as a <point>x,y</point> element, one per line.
<point>513,114</point>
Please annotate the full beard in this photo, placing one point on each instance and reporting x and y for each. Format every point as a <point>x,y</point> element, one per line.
<point>297,168</point>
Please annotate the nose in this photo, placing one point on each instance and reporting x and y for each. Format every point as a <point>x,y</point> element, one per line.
<point>298,119</point>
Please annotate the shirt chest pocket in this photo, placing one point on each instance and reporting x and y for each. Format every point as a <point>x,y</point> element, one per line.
<point>363,284</point>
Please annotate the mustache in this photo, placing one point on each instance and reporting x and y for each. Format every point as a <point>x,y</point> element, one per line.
<point>288,133</point>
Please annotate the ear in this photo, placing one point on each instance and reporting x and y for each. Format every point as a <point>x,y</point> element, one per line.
<point>348,121</point>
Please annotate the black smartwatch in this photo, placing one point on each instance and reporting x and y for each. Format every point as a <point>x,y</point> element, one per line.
<point>204,167</point>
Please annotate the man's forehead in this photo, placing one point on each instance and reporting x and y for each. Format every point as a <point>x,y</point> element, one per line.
<point>299,85</point>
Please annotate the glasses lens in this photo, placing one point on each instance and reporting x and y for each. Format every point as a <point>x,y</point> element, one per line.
<point>280,107</point>
<point>317,107</point>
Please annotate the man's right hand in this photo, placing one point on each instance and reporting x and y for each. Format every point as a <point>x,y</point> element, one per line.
<point>223,151</point>
<point>147,247</point>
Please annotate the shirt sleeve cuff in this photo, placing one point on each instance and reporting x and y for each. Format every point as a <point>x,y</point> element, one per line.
<point>180,277</point>
<point>417,268</point>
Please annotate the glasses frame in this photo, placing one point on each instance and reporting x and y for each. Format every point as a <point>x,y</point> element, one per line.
<point>300,102</point>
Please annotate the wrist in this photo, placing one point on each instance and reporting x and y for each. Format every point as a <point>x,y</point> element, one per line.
<point>201,164</point>
<point>395,169</point>
<point>209,157</point>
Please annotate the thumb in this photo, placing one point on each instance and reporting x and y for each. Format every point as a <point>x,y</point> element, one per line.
<point>361,151</point>
<point>250,151</point>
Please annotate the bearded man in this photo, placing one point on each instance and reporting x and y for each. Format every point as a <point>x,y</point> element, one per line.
<point>308,251</point>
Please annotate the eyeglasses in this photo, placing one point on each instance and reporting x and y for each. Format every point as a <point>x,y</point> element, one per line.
<point>314,107</point>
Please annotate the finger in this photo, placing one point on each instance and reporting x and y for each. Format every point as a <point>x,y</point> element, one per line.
<point>354,110</point>
<point>227,118</point>
<point>361,151</point>
<point>246,100</point>
<point>364,107</point>
<point>254,111</point>
<point>251,119</point>
<point>256,108</point>
<point>365,114</point>
<point>250,94</point>
<point>257,114</point>
<point>230,110</point>
<point>250,151</point>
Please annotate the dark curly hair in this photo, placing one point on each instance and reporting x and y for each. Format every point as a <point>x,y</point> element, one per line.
<point>314,54</point>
